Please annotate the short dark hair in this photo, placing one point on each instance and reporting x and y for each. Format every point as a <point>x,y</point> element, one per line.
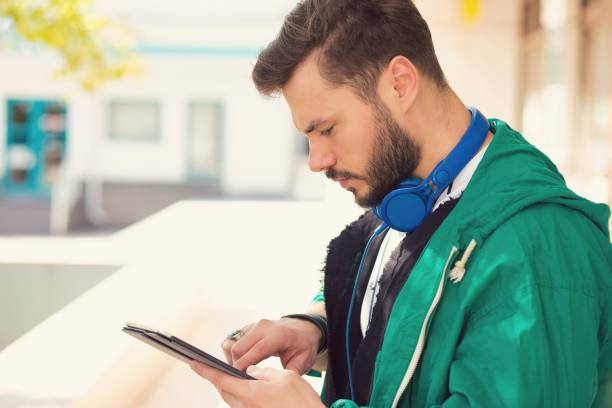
<point>356,39</point>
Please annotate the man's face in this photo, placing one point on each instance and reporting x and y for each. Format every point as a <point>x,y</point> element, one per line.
<point>358,144</point>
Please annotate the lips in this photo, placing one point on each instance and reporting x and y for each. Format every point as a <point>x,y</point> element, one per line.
<point>343,182</point>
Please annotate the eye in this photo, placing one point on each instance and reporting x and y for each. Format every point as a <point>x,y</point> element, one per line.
<point>327,132</point>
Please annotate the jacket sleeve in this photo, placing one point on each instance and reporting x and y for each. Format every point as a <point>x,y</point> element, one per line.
<point>320,296</point>
<point>343,403</point>
<point>538,348</point>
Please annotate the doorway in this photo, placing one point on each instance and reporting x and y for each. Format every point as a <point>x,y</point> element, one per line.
<point>35,146</point>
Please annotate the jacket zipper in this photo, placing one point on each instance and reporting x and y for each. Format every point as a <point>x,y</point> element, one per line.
<point>418,351</point>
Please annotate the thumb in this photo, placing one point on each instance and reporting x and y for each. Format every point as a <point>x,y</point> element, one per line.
<point>266,373</point>
<point>296,366</point>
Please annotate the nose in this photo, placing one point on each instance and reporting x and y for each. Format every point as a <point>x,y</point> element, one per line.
<point>320,157</point>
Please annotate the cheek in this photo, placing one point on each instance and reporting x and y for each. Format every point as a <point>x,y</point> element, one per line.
<point>356,139</point>
<point>355,152</point>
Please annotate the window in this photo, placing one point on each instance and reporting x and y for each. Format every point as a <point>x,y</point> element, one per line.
<point>531,16</point>
<point>35,145</point>
<point>134,120</point>
<point>204,144</point>
<point>595,155</point>
<point>588,3</point>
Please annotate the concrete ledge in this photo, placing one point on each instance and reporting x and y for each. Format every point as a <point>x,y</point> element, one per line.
<point>196,269</point>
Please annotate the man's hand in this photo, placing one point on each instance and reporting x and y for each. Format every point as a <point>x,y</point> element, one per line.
<point>272,388</point>
<point>295,341</point>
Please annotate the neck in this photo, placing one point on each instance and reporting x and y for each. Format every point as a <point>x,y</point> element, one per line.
<point>438,121</point>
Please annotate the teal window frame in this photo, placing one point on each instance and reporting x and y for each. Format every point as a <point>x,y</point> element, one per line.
<point>34,186</point>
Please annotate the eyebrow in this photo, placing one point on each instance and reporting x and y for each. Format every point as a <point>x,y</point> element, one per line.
<point>314,125</point>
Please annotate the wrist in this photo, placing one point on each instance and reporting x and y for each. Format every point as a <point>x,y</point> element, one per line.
<point>319,321</point>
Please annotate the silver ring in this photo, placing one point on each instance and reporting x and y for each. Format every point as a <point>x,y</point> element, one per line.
<point>235,335</point>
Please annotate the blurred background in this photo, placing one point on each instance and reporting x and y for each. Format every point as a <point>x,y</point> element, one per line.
<point>142,177</point>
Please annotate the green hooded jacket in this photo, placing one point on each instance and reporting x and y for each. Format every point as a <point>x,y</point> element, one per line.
<point>510,303</point>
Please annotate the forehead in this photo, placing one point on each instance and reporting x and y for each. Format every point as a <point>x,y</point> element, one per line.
<point>311,98</point>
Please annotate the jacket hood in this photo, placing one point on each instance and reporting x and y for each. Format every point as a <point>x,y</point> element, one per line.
<point>523,178</point>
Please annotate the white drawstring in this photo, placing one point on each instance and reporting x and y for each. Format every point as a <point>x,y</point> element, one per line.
<point>458,272</point>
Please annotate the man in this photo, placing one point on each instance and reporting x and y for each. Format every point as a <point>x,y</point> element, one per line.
<point>500,297</point>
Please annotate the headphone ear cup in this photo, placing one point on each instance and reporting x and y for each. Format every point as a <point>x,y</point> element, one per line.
<point>404,208</point>
<point>405,211</point>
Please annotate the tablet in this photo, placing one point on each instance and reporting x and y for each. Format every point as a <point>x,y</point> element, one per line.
<point>180,349</point>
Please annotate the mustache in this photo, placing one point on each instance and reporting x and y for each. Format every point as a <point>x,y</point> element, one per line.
<point>335,174</point>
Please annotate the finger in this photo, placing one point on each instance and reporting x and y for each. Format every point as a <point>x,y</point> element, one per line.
<point>260,351</point>
<point>227,350</point>
<point>223,382</point>
<point>228,343</point>
<point>250,338</point>
<point>264,373</point>
<point>209,373</point>
<point>299,362</point>
<point>297,365</point>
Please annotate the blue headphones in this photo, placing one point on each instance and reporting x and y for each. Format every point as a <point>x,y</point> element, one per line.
<point>405,208</point>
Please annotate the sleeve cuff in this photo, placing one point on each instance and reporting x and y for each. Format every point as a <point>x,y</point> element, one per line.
<point>343,403</point>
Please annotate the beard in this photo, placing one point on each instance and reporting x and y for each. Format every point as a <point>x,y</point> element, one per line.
<point>395,156</point>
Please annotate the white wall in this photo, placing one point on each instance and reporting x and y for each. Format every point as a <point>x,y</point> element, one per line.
<point>256,145</point>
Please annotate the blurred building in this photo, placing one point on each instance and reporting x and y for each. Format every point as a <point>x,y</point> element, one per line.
<point>544,66</point>
<point>566,86</point>
<point>193,126</point>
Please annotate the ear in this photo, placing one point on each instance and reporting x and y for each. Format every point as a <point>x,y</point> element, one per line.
<point>399,83</point>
